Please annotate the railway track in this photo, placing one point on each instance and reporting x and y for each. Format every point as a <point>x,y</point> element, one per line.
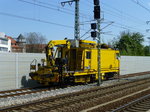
<point>17,92</point>
<point>80,101</point>
<point>141,104</point>
<point>134,74</point>
<point>24,91</point>
<point>11,97</point>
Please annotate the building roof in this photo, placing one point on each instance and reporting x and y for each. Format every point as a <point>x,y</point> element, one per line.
<point>21,36</point>
<point>21,39</point>
<point>12,40</point>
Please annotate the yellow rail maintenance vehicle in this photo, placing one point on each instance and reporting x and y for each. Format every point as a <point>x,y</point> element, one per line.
<point>66,63</point>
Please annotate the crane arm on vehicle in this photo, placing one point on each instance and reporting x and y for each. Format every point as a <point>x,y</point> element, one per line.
<point>50,48</point>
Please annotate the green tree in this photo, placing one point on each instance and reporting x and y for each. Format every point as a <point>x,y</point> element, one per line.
<point>146,51</point>
<point>130,44</point>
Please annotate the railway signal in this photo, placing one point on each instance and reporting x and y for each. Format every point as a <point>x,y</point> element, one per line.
<point>97,12</point>
<point>96,2</point>
<point>93,26</point>
<point>94,35</point>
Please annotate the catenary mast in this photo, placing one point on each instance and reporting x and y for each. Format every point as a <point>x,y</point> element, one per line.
<point>77,21</point>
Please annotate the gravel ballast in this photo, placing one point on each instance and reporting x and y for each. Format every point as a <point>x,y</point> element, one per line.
<point>9,101</point>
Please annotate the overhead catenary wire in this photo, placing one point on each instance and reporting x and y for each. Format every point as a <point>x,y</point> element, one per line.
<point>141,5</point>
<point>56,8</point>
<point>87,37</point>
<point>38,20</point>
<point>39,4</point>
<point>123,13</point>
<point>120,14</point>
<point>33,19</point>
<point>85,33</point>
<point>125,28</point>
<point>62,8</point>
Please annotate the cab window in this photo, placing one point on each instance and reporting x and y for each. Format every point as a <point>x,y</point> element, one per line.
<point>88,55</point>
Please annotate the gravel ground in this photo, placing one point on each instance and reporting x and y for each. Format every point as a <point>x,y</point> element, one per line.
<point>40,95</point>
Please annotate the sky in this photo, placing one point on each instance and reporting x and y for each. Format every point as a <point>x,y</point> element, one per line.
<point>56,22</point>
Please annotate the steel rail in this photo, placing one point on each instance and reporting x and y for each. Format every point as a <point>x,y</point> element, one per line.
<point>74,94</point>
<point>24,91</point>
<point>130,104</point>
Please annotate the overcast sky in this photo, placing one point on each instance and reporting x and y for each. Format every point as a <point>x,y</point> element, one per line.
<point>56,22</point>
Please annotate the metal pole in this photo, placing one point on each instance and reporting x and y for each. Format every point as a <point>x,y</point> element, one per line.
<point>77,26</point>
<point>99,54</point>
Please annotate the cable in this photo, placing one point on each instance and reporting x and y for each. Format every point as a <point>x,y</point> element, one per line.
<point>122,13</point>
<point>89,2</point>
<point>60,7</point>
<point>138,3</point>
<point>85,33</point>
<point>114,14</point>
<point>128,26</point>
<point>45,6</point>
<point>48,7</point>
<point>119,13</point>
<point>32,19</point>
<point>119,25</point>
<point>117,10</point>
<point>87,37</point>
<point>56,9</point>
<point>125,26</point>
<point>122,27</point>
<point>38,20</point>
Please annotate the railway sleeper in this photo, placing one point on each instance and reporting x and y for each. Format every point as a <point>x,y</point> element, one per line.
<point>91,96</point>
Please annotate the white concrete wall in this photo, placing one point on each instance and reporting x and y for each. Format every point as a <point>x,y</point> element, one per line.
<point>134,64</point>
<point>15,68</point>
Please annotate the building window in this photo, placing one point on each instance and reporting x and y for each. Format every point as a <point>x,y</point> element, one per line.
<point>88,55</point>
<point>5,42</point>
<point>3,49</point>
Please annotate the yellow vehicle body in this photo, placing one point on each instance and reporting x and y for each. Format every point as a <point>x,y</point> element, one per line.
<point>71,64</point>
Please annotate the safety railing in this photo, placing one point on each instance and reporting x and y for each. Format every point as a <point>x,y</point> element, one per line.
<point>33,65</point>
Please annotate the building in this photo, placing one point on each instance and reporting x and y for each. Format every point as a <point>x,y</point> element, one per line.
<point>21,42</point>
<point>14,45</point>
<point>9,44</point>
<point>17,44</point>
<point>5,43</point>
